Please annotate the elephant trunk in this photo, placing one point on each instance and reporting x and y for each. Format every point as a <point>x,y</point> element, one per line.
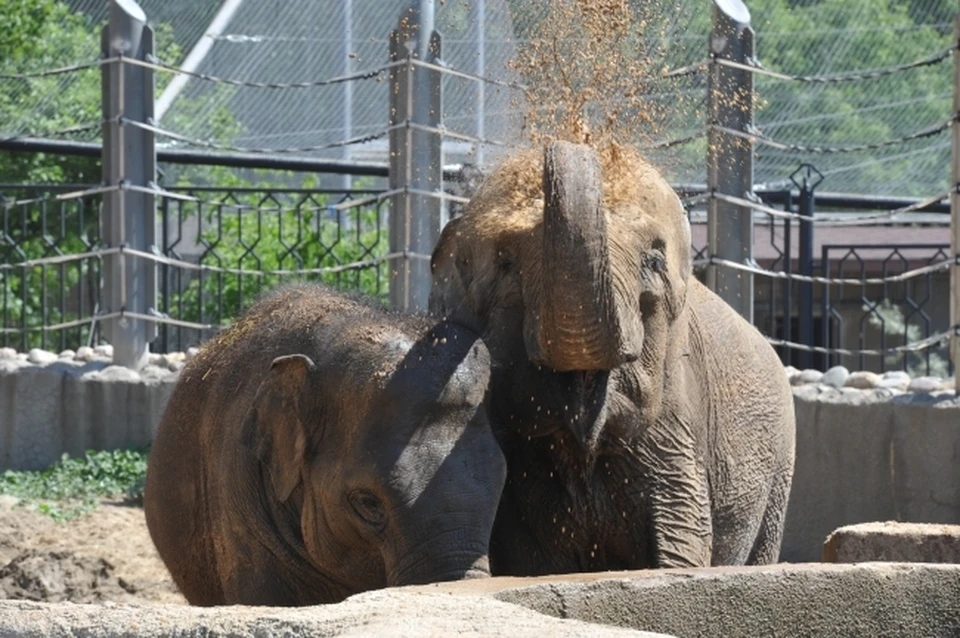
<point>574,324</point>
<point>432,563</point>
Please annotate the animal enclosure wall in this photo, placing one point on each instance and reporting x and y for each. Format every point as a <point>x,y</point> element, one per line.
<point>862,454</point>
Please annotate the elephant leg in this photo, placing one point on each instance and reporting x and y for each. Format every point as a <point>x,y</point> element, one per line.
<point>678,494</point>
<point>766,548</point>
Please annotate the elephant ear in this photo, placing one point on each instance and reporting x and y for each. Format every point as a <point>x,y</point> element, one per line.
<point>450,282</point>
<point>274,427</point>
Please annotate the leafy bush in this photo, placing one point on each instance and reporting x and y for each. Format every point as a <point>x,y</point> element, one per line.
<point>73,486</point>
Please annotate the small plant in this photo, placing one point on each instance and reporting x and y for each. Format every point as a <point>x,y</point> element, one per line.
<point>74,486</point>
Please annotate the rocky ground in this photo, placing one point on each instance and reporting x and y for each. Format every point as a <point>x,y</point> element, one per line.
<point>103,556</point>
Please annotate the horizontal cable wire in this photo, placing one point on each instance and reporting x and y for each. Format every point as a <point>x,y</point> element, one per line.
<point>161,66</point>
<point>56,260</point>
<point>57,71</point>
<point>917,346</point>
<point>356,265</point>
<point>930,131</point>
<point>757,67</point>
<point>825,221</point>
<point>360,139</point>
<point>464,74</point>
<point>674,142</point>
<point>440,130</point>
<point>80,128</point>
<point>838,281</point>
<point>59,197</point>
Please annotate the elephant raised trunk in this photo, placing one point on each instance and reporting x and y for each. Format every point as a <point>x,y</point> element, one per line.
<point>574,324</point>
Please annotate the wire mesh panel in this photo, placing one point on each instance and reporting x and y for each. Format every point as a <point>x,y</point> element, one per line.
<point>224,247</point>
<point>49,266</point>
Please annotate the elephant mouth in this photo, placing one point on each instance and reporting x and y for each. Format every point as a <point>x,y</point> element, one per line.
<point>584,395</point>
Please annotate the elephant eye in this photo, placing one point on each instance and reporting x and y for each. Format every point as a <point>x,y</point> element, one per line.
<point>368,508</point>
<point>655,261</point>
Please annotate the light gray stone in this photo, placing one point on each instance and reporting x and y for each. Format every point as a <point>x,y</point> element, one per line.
<point>862,380</point>
<point>895,380</point>
<point>924,384</point>
<point>114,374</point>
<point>396,613</point>
<point>7,354</point>
<point>835,377</point>
<point>810,376</point>
<point>85,353</point>
<point>41,357</point>
<point>893,541</point>
<point>67,354</point>
<point>104,350</point>
<point>192,352</point>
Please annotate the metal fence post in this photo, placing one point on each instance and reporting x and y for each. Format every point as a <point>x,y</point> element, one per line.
<point>955,209</point>
<point>416,163</point>
<point>730,157</point>
<point>128,218</point>
<point>806,178</point>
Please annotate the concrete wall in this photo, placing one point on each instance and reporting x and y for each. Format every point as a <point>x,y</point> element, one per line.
<point>862,455</point>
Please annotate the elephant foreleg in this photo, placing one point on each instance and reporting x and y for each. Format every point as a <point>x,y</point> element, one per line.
<point>678,497</point>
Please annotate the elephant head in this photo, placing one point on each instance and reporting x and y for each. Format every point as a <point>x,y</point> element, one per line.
<point>573,265</point>
<point>386,453</point>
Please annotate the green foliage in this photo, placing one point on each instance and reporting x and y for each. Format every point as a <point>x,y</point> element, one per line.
<point>73,486</point>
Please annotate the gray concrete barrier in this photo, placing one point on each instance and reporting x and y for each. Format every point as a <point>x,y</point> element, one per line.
<point>868,450</point>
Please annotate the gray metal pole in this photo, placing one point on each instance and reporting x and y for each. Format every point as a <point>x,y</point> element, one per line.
<point>128,218</point>
<point>416,159</point>
<point>730,158</point>
<point>479,19</point>
<point>347,86</point>
<point>955,211</point>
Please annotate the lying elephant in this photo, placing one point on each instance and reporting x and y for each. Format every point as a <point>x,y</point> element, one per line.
<point>321,447</point>
<point>647,424</point>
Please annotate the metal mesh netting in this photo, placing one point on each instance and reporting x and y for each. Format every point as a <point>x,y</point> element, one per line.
<point>309,40</point>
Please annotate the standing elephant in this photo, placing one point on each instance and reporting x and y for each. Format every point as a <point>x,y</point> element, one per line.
<point>322,447</point>
<point>646,424</point>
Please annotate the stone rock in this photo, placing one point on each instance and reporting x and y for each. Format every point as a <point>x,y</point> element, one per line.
<point>7,354</point>
<point>949,384</point>
<point>41,357</point>
<point>862,380</point>
<point>835,377</point>
<point>114,373</point>
<point>895,380</point>
<point>104,350</point>
<point>895,542</point>
<point>395,613</point>
<point>67,354</point>
<point>155,359</point>
<point>175,357</point>
<point>85,353</point>
<point>924,384</point>
<point>810,376</point>
<point>192,352</point>
<point>176,366</point>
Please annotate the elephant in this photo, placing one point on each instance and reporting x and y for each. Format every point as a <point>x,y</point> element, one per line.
<point>324,446</point>
<point>645,423</point>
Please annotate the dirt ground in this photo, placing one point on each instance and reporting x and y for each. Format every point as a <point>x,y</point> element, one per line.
<point>103,556</point>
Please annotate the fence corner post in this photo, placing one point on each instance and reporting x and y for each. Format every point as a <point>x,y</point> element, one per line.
<point>730,156</point>
<point>955,209</point>
<point>128,217</point>
<point>416,158</point>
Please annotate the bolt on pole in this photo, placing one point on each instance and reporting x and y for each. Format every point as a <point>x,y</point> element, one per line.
<point>128,217</point>
<point>730,157</point>
<point>955,209</point>
<point>416,158</point>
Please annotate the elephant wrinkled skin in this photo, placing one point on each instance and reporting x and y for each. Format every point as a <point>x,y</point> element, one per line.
<point>322,447</point>
<point>645,423</point>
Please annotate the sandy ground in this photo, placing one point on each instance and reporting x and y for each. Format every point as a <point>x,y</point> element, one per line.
<point>106,555</point>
